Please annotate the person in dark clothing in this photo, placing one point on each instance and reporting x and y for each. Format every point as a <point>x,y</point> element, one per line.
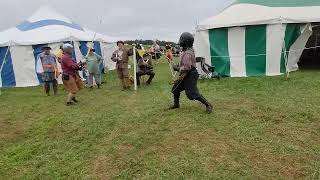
<point>188,75</point>
<point>145,68</point>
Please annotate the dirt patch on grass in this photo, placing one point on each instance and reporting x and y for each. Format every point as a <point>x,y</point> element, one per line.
<point>295,167</point>
<point>246,107</point>
<point>257,160</point>
<point>211,150</point>
<point>103,168</point>
<point>107,166</point>
<point>11,130</point>
<point>208,147</point>
<point>237,106</point>
<point>196,142</point>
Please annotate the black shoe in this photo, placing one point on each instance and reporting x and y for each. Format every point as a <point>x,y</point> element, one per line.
<point>70,103</point>
<point>176,103</point>
<point>99,86</point>
<point>219,77</point>
<point>209,109</point>
<point>176,106</point>
<point>74,100</point>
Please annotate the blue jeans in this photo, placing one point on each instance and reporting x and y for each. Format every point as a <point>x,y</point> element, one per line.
<point>97,78</point>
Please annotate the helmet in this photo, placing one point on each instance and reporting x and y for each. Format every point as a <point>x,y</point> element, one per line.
<point>67,46</point>
<point>186,40</point>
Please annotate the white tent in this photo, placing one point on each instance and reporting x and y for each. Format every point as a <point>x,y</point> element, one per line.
<point>20,45</point>
<point>257,37</point>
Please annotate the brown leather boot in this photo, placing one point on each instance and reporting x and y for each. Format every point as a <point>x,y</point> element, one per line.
<point>55,87</point>
<point>123,84</point>
<point>47,88</point>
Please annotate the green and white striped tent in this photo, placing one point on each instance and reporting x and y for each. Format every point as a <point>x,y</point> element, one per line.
<point>257,37</point>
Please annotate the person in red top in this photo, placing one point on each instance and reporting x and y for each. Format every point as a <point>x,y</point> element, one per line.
<point>169,54</point>
<point>70,75</point>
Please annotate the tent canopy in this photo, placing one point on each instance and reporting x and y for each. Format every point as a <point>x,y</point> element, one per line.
<point>45,27</point>
<point>255,12</point>
<point>257,37</point>
<point>48,26</point>
<point>282,3</point>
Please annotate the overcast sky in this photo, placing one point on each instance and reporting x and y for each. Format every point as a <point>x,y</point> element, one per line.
<point>135,19</point>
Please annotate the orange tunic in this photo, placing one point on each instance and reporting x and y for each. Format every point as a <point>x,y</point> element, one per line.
<point>169,56</point>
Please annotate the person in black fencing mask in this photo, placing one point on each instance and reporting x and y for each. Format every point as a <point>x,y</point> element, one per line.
<point>50,70</point>
<point>188,75</point>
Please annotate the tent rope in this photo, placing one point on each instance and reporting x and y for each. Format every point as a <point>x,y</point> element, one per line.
<point>264,54</point>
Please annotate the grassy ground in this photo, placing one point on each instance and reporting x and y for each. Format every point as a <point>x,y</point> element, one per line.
<point>263,128</point>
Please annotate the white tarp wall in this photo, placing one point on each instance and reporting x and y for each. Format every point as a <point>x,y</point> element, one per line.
<point>19,63</point>
<point>108,49</point>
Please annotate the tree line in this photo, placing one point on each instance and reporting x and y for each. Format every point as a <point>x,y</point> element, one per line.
<point>149,42</point>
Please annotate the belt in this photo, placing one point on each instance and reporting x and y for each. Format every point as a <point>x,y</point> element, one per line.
<point>47,65</point>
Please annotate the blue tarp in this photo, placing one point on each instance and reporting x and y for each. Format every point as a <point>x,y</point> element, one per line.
<point>7,74</point>
<point>84,50</point>
<point>27,26</point>
<point>97,47</point>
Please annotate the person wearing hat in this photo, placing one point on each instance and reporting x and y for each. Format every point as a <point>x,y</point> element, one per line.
<point>93,61</point>
<point>121,57</point>
<point>70,75</point>
<point>145,68</point>
<point>47,67</point>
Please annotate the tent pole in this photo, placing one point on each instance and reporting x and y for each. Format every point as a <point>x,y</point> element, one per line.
<point>284,49</point>
<point>316,44</point>
<point>171,69</point>
<point>94,37</point>
<point>286,60</point>
<point>2,65</point>
<point>135,67</point>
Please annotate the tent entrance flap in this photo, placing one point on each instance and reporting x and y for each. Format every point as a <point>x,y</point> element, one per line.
<point>310,58</point>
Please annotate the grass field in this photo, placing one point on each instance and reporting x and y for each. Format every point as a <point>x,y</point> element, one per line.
<point>262,128</point>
